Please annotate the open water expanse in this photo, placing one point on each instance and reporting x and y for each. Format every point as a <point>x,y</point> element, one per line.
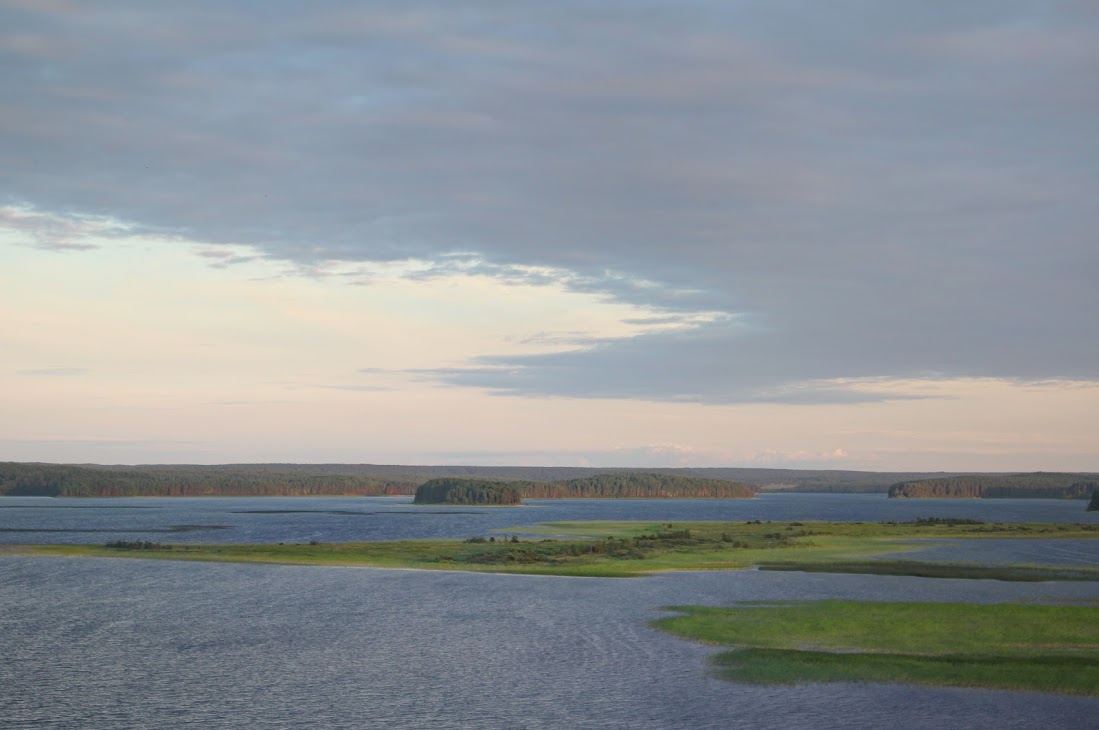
<point>89,643</point>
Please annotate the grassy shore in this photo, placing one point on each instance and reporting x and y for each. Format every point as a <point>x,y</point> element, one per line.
<point>621,549</point>
<point>1002,646</point>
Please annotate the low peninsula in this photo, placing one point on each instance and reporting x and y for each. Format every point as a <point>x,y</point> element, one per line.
<point>1038,485</point>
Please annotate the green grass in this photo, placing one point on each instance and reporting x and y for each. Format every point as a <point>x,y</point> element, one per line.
<point>1003,646</point>
<point>621,549</point>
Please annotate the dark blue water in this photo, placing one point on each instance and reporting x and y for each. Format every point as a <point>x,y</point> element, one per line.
<point>119,644</point>
<point>112,644</point>
<point>343,519</point>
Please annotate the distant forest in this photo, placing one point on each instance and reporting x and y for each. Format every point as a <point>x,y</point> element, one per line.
<point>1044,485</point>
<point>649,485</point>
<point>182,480</point>
<point>385,479</point>
<point>57,480</point>
<point>617,485</point>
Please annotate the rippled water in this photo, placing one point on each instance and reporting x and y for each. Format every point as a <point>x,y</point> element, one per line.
<point>342,519</point>
<point>118,644</point>
<point>144,644</point>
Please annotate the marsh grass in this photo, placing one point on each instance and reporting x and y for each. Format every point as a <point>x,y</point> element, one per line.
<point>1006,646</point>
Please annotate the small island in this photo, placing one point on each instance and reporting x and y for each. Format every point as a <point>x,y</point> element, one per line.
<point>1093,506</point>
<point>466,492</point>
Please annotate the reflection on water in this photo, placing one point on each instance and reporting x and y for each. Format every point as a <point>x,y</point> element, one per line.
<point>123,644</point>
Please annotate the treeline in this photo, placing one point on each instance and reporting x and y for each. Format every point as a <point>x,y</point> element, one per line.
<point>89,480</point>
<point>795,480</point>
<point>636,485</point>
<point>58,480</point>
<point>466,491</point>
<point>1043,485</point>
<point>613,485</point>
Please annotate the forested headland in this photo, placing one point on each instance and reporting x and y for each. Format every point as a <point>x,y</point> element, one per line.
<point>1041,485</point>
<point>466,491</point>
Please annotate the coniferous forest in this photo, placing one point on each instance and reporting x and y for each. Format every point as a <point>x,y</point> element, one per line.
<point>1044,485</point>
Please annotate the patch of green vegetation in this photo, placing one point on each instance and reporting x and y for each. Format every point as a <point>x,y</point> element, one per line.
<point>1003,646</point>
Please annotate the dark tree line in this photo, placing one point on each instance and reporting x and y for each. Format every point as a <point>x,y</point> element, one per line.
<point>1037,485</point>
<point>466,491</point>
<point>651,485</point>
<point>88,480</point>
<point>613,485</point>
<point>61,480</point>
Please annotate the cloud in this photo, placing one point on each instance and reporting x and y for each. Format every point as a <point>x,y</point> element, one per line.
<point>56,232</point>
<point>909,193</point>
<point>729,362</point>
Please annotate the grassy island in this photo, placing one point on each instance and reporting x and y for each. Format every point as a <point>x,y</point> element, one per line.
<point>999,646</point>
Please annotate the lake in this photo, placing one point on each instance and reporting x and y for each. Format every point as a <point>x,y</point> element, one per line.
<point>147,644</point>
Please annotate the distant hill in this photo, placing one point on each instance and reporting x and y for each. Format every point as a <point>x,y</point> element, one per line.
<point>1043,485</point>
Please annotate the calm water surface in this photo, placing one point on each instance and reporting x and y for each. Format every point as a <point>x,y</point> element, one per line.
<point>88,643</point>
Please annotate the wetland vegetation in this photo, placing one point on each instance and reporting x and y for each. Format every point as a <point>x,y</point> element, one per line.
<point>1000,646</point>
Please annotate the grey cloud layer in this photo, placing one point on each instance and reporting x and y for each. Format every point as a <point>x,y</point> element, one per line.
<point>870,189</point>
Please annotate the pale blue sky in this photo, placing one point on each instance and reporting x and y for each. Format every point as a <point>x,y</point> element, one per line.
<point>852,234</point>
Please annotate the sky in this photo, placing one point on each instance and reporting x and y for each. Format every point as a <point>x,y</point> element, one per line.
<point>785,233</point>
